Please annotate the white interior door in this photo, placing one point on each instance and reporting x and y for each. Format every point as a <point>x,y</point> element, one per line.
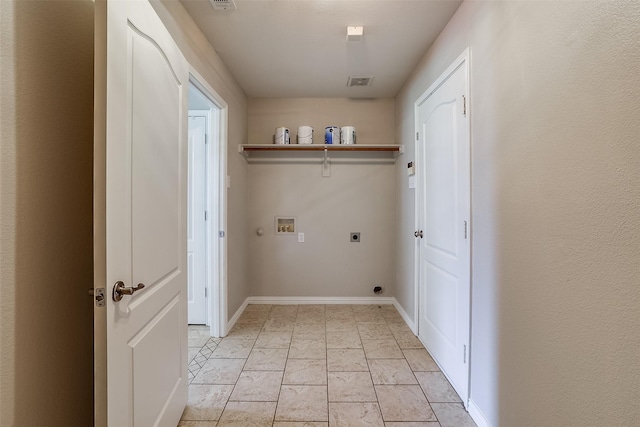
<point>196,224</point>
<point>141,169</point>
<point>444,210</point>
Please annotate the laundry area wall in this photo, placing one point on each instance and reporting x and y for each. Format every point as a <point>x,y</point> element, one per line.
<point>357,197</point>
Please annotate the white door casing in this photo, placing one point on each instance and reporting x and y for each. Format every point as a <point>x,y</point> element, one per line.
<point>444,195</point>
<point>196,223</point>
<point>141,171</point>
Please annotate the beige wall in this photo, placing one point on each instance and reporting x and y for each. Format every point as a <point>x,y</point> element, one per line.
<point>556,207</point>
<point>207,63</point>
<point>372,118</point>
<point>46,117</point>
<point>357,197</point>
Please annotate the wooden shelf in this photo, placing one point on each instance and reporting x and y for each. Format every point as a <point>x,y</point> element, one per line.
<point>315,152</point>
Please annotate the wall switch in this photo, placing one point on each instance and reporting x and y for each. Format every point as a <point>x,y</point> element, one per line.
<point>300,237</point>
<point>228,181</point>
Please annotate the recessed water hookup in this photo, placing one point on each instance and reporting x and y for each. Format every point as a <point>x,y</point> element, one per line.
<point>377,289</point>
<point>354,237</point>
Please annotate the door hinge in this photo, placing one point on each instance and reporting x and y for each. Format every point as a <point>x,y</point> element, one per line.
<point>465,229</point>
<point>205,292</point>
<point>205,215</point>
<point>464,105</point>
<point>417,136</point>
<point>465,355</point>
<point>206,138</point>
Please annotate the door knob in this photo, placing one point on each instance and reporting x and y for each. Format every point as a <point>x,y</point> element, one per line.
<point>418,234</point>
<point>120,290</point>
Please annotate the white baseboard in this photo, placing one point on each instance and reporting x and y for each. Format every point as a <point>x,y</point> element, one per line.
<point>235,317</point>
<point>405,316</point>
<point>477,415</point>
<point>319,300</point>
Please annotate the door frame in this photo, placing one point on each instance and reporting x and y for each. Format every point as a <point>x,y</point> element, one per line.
<point>216,204</point>
<point>462,61</point>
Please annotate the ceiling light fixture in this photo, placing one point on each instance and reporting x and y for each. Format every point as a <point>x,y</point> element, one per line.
<point>354,34</point>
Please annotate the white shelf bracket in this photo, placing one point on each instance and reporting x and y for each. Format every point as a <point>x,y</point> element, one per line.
<point>326,165</point>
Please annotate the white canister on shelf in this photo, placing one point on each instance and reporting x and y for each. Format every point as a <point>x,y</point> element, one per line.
<point>348,135</point>
<point>305,135</point>
<point>281,136</point>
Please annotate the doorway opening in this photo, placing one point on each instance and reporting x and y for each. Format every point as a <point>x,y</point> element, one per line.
<point>206,212</point>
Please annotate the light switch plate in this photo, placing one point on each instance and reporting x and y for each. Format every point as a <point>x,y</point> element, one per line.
<point>300,237</point>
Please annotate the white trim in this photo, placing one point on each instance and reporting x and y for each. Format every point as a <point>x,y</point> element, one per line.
<point>410,323</point>
<point>477,415</point>
<point>319,300</point>
<point>216,204</point>
<point>235,318</point>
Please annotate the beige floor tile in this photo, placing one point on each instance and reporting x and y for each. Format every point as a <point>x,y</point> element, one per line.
<point>258,307</point>
<point>346,359</point>
<point>391,371</point>
<point>341,326</point>
<point>305,372</point>
<point>233,348</point>
<point>197,336</point>
<point>246,331</point>
<point>355,415</point>
<point>266,359</point>
<point>403,403</point>
<point>343,340</point>
<point>412,424</point>
<point>408,340</point>
<point>307,349</point>
<point>299,424</point>
<point>206,402</point>
<point>273,340</point>
<point>452,415</point>
<point>193,351</point>
<point>374,331</point>
<point>420,360</point>
<point>257,386</point>
<point>309,331</point>
<point>382,349</point>
<point>220,371</point>
<point>198,424</point>
<point>371,317</point>
<point>437,388</point>
<point>244,414</point>
<point>351,387</point>
<point>278,325</point>
<point>310,319</point>
<point>398,328</point>
<point>302,403</point>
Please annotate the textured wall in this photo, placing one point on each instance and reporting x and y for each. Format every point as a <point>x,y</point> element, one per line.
<point>356,198</point>
<point>46,81</point>
<point>207,63</point>
<point>555,209</point>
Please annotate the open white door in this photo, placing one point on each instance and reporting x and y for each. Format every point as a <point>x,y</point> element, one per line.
<point>197,217</point>
<point>140,211</point>
<point>443,218</point>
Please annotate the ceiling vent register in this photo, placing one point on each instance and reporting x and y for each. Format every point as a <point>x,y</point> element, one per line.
<point>223,4</point>
<point>359,81</point>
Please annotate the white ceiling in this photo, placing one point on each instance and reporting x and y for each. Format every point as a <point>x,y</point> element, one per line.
<point>299,48</point>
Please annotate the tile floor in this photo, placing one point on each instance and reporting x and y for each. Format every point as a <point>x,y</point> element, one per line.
<point>317,366</point>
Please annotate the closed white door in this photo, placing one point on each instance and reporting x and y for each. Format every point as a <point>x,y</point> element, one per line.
<point>141,165</point>
<point>444,210</point>
<point>196,224</point>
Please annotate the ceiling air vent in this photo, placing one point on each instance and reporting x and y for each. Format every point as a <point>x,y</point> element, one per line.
<point>359,81</point>
<point>223,4</point>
